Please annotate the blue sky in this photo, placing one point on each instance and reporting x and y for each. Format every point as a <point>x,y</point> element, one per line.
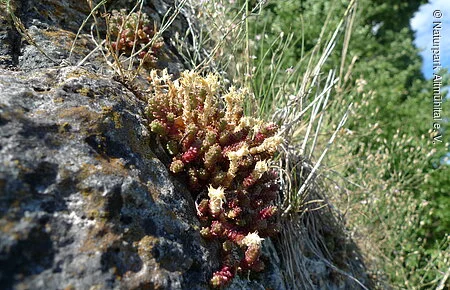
<point>422,23</point>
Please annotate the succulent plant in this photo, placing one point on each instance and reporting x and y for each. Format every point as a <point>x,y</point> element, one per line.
<point>131,33</point>
<point>226,158</point>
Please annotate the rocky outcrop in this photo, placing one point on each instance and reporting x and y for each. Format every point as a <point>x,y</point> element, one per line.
<point>86,201</point>
<point>60,33</point>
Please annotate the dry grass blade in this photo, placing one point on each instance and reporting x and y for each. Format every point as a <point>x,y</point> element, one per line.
<point>306,182</point>
<point>91,14</point>
<point>23,31</point>
<point>217,36</point>
<point>306,211</point>
<point>444,279</point>
<point>123,66</point>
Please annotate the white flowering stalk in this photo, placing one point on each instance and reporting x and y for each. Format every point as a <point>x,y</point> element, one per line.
<point>235,157</point>
<point>253,243</point>
<point>260,168</point>
<point>216,199</point>
<point>269,145</point>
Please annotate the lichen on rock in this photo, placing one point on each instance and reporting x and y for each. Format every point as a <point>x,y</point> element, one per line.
<point>90,200</point>
<point>85,201</point>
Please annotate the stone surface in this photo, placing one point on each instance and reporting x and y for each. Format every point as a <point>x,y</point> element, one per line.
<point>86,201</point>
<point>64,31</point>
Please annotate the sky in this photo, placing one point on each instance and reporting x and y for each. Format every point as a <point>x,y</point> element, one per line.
<point>422,24</point>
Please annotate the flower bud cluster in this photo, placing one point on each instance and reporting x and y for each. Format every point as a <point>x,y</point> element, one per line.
<point>226,158</point>
<point>132,33</point>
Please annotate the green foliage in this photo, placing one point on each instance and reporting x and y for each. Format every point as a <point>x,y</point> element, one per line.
<point>387,209</point>
<point>396,176</point>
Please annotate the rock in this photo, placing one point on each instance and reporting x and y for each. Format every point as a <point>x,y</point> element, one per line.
<point>62,33</point>
<point>86,200</point>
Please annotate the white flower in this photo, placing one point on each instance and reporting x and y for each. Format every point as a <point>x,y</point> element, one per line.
<point>236,155</point>
<point>260,168</point>
<point>252,239</point>
<point>269,145</point>
<point>216,199</point>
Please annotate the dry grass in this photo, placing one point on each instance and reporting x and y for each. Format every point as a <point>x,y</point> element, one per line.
<point>312,228</point>
<point>127,67</point>
<point>312,112</point>
<point>9,8</point>
<point>310,224</point>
